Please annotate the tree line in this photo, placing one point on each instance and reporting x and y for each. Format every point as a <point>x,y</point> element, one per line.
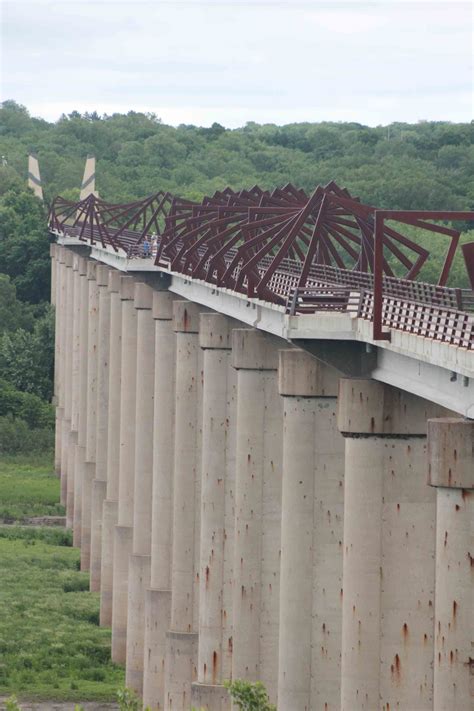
<point>428,165</point>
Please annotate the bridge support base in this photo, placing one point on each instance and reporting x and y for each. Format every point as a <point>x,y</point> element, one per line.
<point>157,623</point>
<point>109,521</point>
<point>122,553</point>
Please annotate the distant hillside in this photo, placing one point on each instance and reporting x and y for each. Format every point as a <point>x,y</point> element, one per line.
<point>424,165</point>
<point>427,165</point>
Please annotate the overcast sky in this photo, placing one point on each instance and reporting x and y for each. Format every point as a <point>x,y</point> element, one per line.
<point>234,61</point>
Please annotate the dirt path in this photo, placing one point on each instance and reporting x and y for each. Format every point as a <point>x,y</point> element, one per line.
<point>35,521</point>
<point>61,705</point>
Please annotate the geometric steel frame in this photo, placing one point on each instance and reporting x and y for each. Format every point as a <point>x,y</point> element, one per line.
<point>275,245</point>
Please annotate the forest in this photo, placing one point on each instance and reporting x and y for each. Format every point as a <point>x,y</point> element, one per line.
<point>428,165</point>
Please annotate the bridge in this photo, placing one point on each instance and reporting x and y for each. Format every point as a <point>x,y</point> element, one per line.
<point>265,438</point>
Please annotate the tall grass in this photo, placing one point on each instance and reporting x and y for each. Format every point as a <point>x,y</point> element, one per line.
<point>51,645</point>
<point>28,487</point>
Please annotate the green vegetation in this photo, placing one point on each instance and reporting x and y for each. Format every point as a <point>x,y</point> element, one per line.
<point>51,645</point>
<point>26,321</point>
<point>249,697</point>
<point>28,488</point>
<point>425,165</point>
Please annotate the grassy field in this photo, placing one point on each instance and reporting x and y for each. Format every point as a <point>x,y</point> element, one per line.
<point>28,488</point>
<point>51,645</point>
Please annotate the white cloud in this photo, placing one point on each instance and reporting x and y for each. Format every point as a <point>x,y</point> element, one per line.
<point>196,61</point>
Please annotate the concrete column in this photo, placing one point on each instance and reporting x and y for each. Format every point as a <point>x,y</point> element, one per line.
<point>110,506</point>
<point>217,513</point>
<point>124,529</point>
<point>58,363</point>
<point>99,485</point>
<point>76,319</point>
<point>451,472</point>
<point>311,536</point>
<point>158,596</point>
<point>181,652</point>
<point>56,267</point>
<point>52,251</point>
<point>63,377</point>
<point>140,560</point>
<point>91,413</point>
<point>258,475</point>
<point>389,545</point>
<point>68,438</point>
<point>81,384</point>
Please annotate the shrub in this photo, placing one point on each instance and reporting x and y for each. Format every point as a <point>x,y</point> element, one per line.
<point>25,406</point>
<point>248,696</point>
<point>76,584</point>
<point>11,704</point>
<point>17,437</point>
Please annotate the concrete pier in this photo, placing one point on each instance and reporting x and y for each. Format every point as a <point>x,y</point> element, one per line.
<point>451,473</point>
<point>311,536</point>
<point>389,535</point>
<point>55,301</point>
<point>91,414</point>
<point>68,440</point>
<point>110,505</point>
<point>99,485</point>
<point>158,596</point>
<point>61,311</point>
<point>140,560</point>
<point>124,529</point>
<point>258,472</point>
<point>80,459</point>
<point>181,650</point>
<point>217,513</point>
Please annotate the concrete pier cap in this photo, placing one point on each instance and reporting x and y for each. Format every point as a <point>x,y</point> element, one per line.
<point>368,407</point>
<point>102,275</point>
<point>254,350</point>
<point>215,331</point>
<point>91,269</point>
<point>75,262</point>
<point>114,280</point>
<point>162,307</point>
<point>301,375</point>
<point>68,258</point>
<point>143,296</point>
<point>451,453</point>
<point>82,266</point>
<point>186,316</point>
<point>127,288</point>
